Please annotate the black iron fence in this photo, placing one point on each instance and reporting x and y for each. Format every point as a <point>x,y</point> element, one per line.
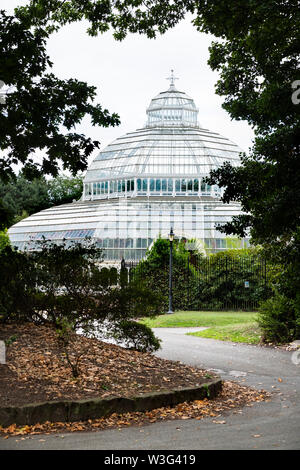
<point>211,283</point>
<point>236,283</point>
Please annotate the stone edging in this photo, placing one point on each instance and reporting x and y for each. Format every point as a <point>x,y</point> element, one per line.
<point>81,410</point>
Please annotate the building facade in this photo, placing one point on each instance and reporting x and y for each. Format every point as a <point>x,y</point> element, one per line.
<point>144,183</point>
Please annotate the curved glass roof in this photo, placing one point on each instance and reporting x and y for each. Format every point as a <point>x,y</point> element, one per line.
<point>171,144</point>
<point>172,108</point>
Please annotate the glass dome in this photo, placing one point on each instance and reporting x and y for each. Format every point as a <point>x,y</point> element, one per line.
<point>144,183</point>
<point>172,145</point>
<point>172,108</point>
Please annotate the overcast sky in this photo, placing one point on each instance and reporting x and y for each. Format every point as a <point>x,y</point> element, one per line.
<point>129,74</point>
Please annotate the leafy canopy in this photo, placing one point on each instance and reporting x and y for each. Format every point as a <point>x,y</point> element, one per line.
<point>39,115</point>
<point>21,197</point>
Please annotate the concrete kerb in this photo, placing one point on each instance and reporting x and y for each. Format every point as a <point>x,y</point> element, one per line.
<point>81,410</point>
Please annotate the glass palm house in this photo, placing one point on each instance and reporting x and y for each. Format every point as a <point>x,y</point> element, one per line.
<point>144,183</point>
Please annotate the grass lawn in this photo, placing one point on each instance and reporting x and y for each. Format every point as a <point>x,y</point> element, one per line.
<point>240,327</point>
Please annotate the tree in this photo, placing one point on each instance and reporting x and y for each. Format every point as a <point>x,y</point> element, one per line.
<point>61,285</point>
<point>4,239</point>
<point>258,63</point>
<point>22,197</point>
<point>154,272</point>
<point>149,17</point>
<point>42,111</point>
<point>64,189</point>
<point>259,66</point>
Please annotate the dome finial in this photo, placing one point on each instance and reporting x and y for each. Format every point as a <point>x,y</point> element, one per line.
<point>172,78</point>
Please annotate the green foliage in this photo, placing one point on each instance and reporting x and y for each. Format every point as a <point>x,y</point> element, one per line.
<point>64,189</point>
<point>137,336</point>
<point>9,341</point>
<point>279,319</point>
<point>6,216</point>
<point>154,271</point>
<point>124,276</point>
<point>113,276</point>
<point>105,277</point>
<point>123,17</point>
<point>64,285</point>
<point>17,285</point>
<point>42,107</point>
<point>22,197</point>
<point>280,316</point>
<point>258,60</point>
<point>4,240</point>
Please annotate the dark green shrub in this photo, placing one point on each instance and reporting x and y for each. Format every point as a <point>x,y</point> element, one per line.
<point>124,276</point>
<point>113,276</point>
<point>17,286</point>
<point>4,239</point>
<point>63,285</point>
<point>105,277</point>
<point>136,336</point>
<point>279,319</point>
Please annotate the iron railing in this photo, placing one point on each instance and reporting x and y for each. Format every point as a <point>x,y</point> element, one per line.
<point>221,283</point>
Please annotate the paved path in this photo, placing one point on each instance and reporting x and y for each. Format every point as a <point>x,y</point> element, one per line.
<point>277,423</point>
